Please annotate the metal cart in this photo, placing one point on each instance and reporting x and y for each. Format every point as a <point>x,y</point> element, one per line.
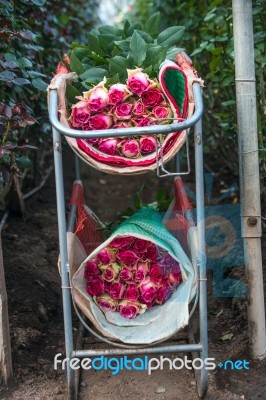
<point>197,349</point>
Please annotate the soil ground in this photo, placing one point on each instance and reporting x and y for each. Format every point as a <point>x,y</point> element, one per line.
<point>30,247</point>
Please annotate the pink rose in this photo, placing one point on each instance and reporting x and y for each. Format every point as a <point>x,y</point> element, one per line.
<point>123,111</point>
<point>116,290</point>
<point>91,269</point>
<point>138,108</point>
<point>108,146</point>
<point>122,124</point>
<point>174,278</point>
<point>137,81</point>
<point>162,112</point>
<point>110,272</point>
<point>121,242</point>
<point>101,121</point>
<point>152,252</point>
<point>106,303</point>
<point>155,274</point>
<point>143,121</point>
<point>97,98</point>
<point>147,292</point>
<point>87,127</point>
<point>140,246</point>
<point>128,309</point>
<point>125,275</point>
<point>118,93</point>
<point>127,257</point>
<point>130,148</point>
<point>152,97</point>
<point>163,293</point>
<point>95,287</point>
<point>147,144</point>
<point>105,256</point>
<point>141,271</point>
<point>80,114</point>
<point>132,292</point>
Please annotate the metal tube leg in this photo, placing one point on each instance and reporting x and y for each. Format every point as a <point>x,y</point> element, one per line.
<point>203,381</point>
<point>66,295</point>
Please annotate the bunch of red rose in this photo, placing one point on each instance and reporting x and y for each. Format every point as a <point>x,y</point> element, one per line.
<point>139,102</point>
<point>131,275</point>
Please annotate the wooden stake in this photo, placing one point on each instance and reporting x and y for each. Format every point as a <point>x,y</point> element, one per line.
<point>6,371</point>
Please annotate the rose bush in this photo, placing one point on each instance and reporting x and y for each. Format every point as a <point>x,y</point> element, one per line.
<point>131,275</point>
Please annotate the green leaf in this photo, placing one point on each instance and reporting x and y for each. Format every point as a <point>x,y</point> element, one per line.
<point>138,48</point>
<point>23,162</point>
<point>94,75</point>
<point>106,42</point>
<point>123,44</point>
<point>38,2</point>
<point>21,81</point>
<point>133,28</point>
<point>38,83</point>
<point>10,57</point>
<point>93,45</point>
<point>153,25</point>
<point>145,36</point>
<point>75,64</point>
<point>155,56</point>
<point>111,81</point>
<point>7,76</point>
<point>118,65</point>
<point>173,52</point>
<point>71,93</point>
<point>35,74</point>
<point>170,36</point>
<point>24,62</point>
<point>110,30</point>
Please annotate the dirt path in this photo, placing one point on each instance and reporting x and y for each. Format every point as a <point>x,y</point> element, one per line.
<point>30,255</point>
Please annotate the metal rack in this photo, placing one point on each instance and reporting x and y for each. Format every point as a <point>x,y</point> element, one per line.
<point>200,348</point>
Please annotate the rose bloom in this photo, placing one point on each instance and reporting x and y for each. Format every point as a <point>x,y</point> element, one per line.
<point>125,275</point>
<point>127,257</point>
<point>132,292</point>
<point>130,148</point>
<point>95,287</point>
<point>87,127</point>
<point>101,121</point>
<point>152,97</point>
<point>80,114</point>
<point>152,252</point>
<point>143,121</point>
<point>142,270</point>
<point>118,93</point>
<point>166,262</point>
<point>122,124</point>
<point>147,292</point>
<point>106,303</point>
<point>137,81</point>
<point>108,146</point>
<point>97,98</point>
<point>91,269</point>
<point>155,274</point>
<point>161,112</point>
<point>138,108</point>
<point>129,309</point>
<point>121,242</point>
<point>140,246</point>
<point>105,256</point>
<point>147,144</point>
<point>116,290</point>
<point>110,272</point>
<point>123,111</point>
<point>163,293</point>
<point>175,278</point>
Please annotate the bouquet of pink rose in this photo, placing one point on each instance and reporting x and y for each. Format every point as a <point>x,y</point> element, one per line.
<point>131,275</point>
<point>139,102</point>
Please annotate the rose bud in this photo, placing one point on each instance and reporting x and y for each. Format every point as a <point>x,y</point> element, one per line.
<point>155,274</point>
<point>162,112</point>
<point>121,242</point>
<point>147,144</point>
<point>130,310</point>
<point>142,270</point>
<point>143,121</point>
<point>147,292</point>
<point>106,303</point>
<point>110,272</point>
<point>138,108</point>
<point>98,98</point>
<point>123,111</point>
<point>118,93</point>
<point>137,81</point>
<point>127,257</point>
<point>106,256</point>
<point>108,146</point>
<point>91,269</point>
<point>101,121</point>
<point>152,252</point>
<point>95,287</point>
<point>163,293</point>
<point>130,148</point>
<point>132,292</point>
<point>125,275</point>
<point>80,114</point>
<point>140,246</point>
<point>152,97</point>
<point>116,290</point>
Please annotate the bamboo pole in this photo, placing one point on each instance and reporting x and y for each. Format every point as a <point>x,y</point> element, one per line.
<point>249,170</point>
<point>6,372</point>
